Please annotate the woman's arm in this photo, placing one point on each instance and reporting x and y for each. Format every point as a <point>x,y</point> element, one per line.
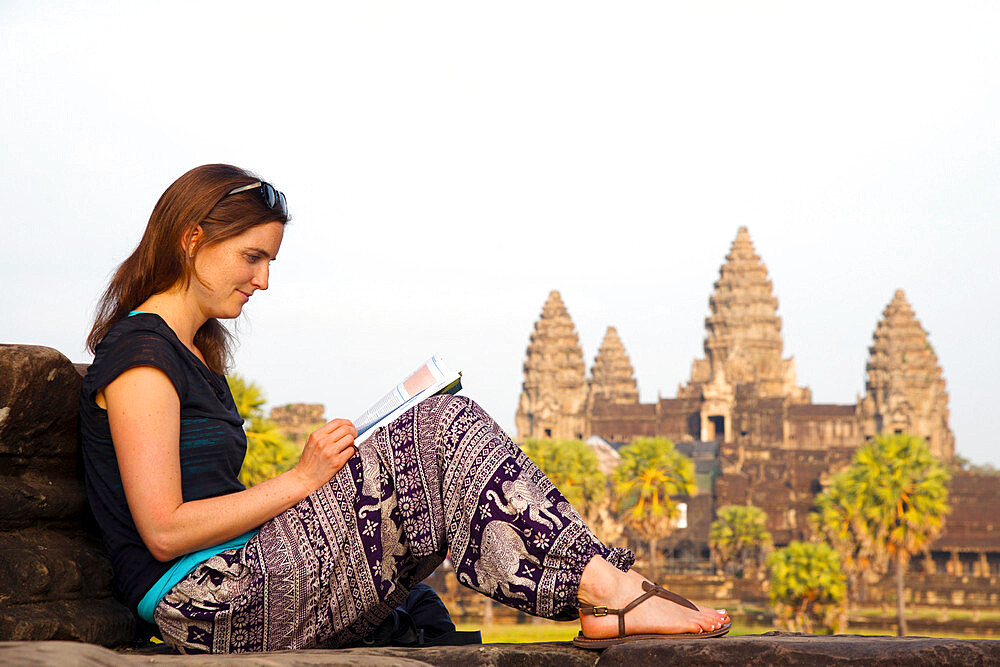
<point>144,415</point>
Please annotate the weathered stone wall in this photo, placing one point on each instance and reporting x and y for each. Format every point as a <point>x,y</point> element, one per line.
<point>55,577</point>
<point>782,482</point>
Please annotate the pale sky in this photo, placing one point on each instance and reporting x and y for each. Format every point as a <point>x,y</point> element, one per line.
<point>448,164</point>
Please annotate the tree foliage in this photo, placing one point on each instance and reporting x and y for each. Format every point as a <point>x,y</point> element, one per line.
<point>807,587</point>
<point>249,398</point>
<point>573,467</point>
<point>269,452</point>
<point>739,539</point>
<point>650,474</point>
<point>838,521</point>
<point>886,507</point>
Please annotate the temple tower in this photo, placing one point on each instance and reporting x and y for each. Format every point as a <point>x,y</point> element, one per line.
<point>743,347</point>
<point>554,393</point>
<point>612,377</point>
<point>905,390</point>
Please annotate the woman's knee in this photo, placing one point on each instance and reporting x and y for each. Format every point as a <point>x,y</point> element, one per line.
<point>446,401</point>
<point>450,417</point>
<point>443,411</point>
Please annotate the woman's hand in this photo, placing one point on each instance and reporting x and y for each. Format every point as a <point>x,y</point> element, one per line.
<point>325,453</point>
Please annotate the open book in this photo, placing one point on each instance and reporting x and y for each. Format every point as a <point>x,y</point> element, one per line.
<point>433,377</point>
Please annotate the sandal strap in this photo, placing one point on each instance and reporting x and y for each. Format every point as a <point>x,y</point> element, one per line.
<point>651,590</point>
<point>670,595</point>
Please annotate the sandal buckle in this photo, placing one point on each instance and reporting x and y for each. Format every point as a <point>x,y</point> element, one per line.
<point>601,611</point>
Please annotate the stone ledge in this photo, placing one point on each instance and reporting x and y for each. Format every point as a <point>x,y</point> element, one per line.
<point>783,648</point>
<point>768,649</point>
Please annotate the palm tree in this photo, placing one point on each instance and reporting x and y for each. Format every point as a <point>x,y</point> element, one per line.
<point>901,493</point>
<point>806,585</point>
<point>739,537</point>
<point>573,467</point>
<point>650,474</point>
<point>248,396</point>
<point>839,521</point>
<point>269,452</point>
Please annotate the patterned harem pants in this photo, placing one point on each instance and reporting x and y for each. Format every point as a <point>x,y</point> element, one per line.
<point>441,478</point>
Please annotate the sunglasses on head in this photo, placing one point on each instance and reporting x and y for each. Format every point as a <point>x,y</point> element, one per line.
<point>272,197</point>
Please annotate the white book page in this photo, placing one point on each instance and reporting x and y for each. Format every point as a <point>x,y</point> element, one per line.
<point>432,376</point>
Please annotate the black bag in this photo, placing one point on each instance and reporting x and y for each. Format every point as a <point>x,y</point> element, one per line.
<point>422,620</point>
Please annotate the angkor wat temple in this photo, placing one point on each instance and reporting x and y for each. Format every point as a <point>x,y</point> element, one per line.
<point>755,434</point>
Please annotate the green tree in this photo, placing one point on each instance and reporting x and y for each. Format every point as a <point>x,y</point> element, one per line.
<point>902,497</point>
<point>739,538</point>
<point>887,506</point>
<point>650,474</point>
<point>269,452</point>
<point>839,522</point>
<point>249,398</point>
<point>573,467</point>
<point>807,586</point>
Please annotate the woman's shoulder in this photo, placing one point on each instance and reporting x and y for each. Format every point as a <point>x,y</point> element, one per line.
<point>143,339</point>
<point>140,329</point>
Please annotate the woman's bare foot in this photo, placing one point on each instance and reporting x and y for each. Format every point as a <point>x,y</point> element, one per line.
<point>701,608</point>
<point>604,584</point>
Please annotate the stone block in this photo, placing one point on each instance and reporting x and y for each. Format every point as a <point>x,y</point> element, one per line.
<point>39,564</point>
<point>780,648</point>
<point>769,649</point>
<point>34,497</point>
<point>98,621</point>
<point>39,398</point>
<point>55,577</point>
<point>552,654</point>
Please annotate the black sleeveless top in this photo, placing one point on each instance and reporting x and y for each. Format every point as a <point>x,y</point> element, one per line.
<point>212,441</point>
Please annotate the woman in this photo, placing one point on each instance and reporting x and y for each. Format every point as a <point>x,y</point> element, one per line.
<point>321,554</point>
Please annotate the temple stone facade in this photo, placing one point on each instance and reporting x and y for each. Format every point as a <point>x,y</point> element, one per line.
<point>743,348</point>
<point>744,390</point>
<point>554,394</point>
<point>905,391</point>
<point>772,446</point>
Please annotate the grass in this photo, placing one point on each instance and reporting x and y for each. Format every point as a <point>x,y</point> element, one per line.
<point>542,630</point>
<point>518,633</point>
<point>556,631</point>
<point>936,614</point>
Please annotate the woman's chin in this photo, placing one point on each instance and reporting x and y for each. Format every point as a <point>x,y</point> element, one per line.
<point>229,313</point>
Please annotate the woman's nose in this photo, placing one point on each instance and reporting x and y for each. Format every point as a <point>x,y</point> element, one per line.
<point>260,278</point>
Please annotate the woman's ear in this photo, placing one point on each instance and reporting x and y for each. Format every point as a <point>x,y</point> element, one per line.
<point>191,239</point>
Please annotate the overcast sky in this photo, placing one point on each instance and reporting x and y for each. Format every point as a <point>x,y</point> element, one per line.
<point>447,164</point>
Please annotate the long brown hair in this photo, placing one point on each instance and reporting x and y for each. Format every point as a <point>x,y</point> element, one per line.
<point>159,262</point>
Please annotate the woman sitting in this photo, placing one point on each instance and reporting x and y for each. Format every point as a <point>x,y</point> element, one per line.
<point>320,555</point>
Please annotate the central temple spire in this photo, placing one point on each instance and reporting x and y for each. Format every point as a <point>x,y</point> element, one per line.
<point>743,345</point>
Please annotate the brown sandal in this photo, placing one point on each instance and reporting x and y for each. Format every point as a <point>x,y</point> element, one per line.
<point>651,590</point>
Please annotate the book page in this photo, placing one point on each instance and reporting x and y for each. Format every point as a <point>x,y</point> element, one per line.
<point>432,376</point>
<point>420,380</point>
